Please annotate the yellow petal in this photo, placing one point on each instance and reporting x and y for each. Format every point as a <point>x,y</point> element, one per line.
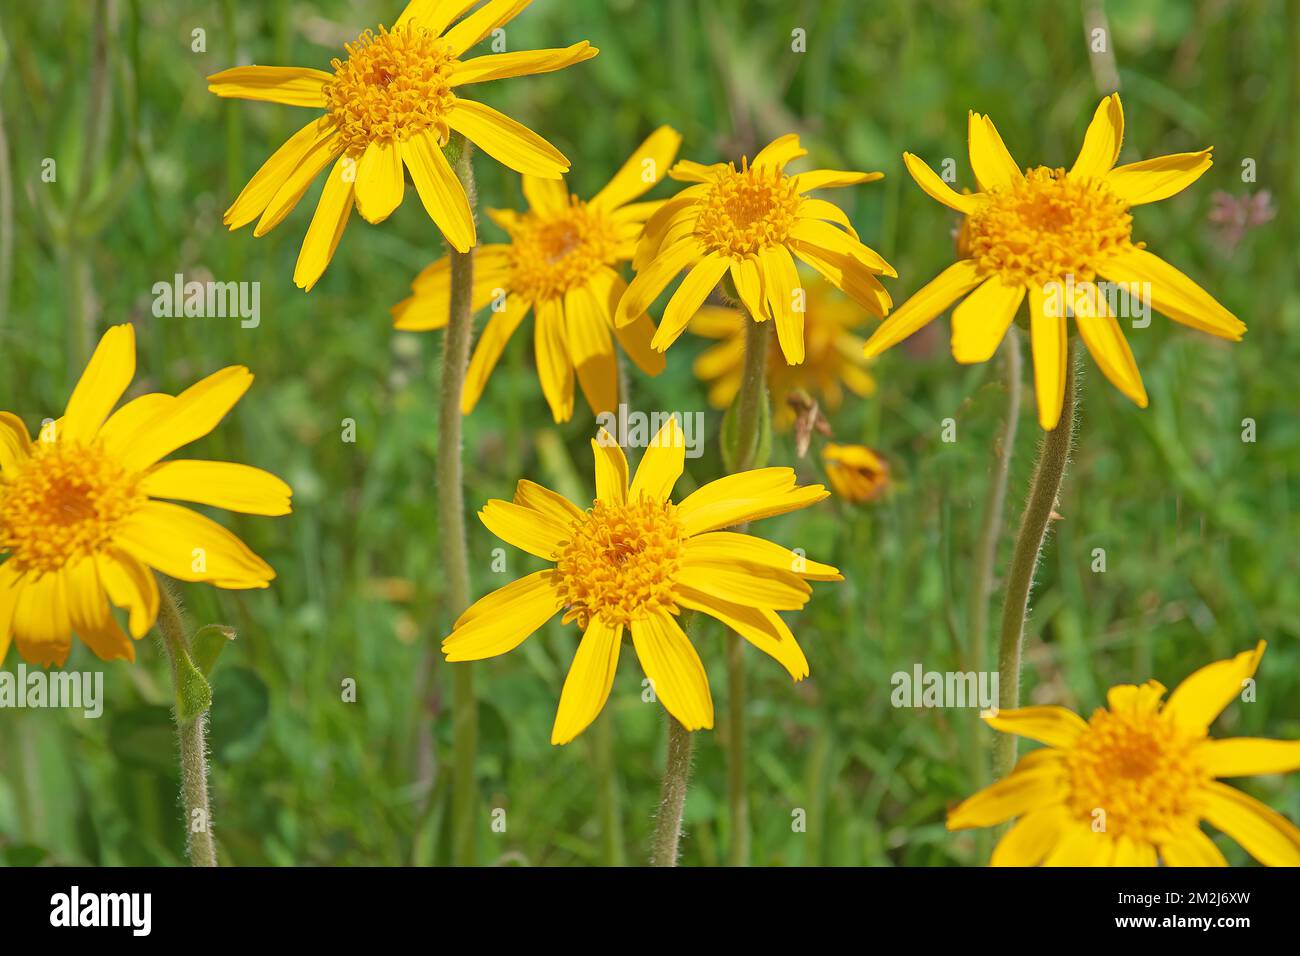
<point>186,418</point>
<point>333,210</point>
<point>780,151</point>
<point>761,627</point>
<point>1198,700</point>
<point>1054,726</point>
<point>89,614</point>
<point>9,589</point>
<point>221,484</point>
<point>120,431</point>
<point>266,182</point>
<point>1051,348</point>
<point>130,586</point>
<point>611,469</point>
<point>926,303</point>
<point>493,14</point>
<point>1101,144</point>
<point>591,675</point>
<point>1247,756</point>
<point>434,15</point>
<point>1172,293</point>
<point>831,179</point>
<point>554,364</point>
<point>687,171</point>
<point>41,627</point>
<point>748,496</point>
<point>747,276</point>
<point>380,180</point>
<point>441,192</point>
<point>498,66</point>
<point>501,621</point>
<point>781,285</point>
<point>635,337</point>
<point>506,141</point>
<point>1032,837</point>
<point>488,351</point>
<point>661,465</point>
<point>724,546</point>
<point>646,168</point>
<point>326,148</point>
<point>1266,835</point>
<point>290,85</point>
<point>674,668</point>
<point>189,547</point>
<point>690,295</point>
<point>1152,180</point>
<point>747,584</point>
<point>1194,849</point>
<point>981,320</point>
<point>1080,845</point>
<point>15,443</point>
<point>651,281</point>
<point>106,377</point>
<point>1102,334</point>
<point>848,275</point>
<point>1023,790</point>
<point>828,211</point>
<point>526,529</point>
<point>989,157</point>
<point>546,195</point>
<point>936,188</point>
<point>592,348</point>
<point>555,506</point>
<point>822,235</point>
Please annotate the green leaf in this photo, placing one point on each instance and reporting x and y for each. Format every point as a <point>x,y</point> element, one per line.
<point>209,641</point>
<point>193,693</point>
<point>239,721</point>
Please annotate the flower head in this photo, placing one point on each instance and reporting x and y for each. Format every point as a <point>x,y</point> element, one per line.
<point>833,359</point>
<point>750,224</point>
<point>1131,785</point>
<point>562,261</point>
<point>391,105</point>
<point>81,523</point>
<point>1056,236</point>
<point>631,562</point>
<point>856,473</point>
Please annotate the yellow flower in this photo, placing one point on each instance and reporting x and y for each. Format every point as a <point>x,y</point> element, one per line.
<point>1045,232</point>
<point>392,103</point>
<point>833,357</point>
<point>562,259</point>
<point>856,473</point>
<point>79,522</point>
<point>1132,784</point>
<point>749,223</point>
<point>631,562</point>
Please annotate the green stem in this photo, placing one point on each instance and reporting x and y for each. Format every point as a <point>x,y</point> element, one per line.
<point>749,413</point>
<point>192,735</point>
<point>1053,455</point>
<point>451,523</point>
<point>672,795</point>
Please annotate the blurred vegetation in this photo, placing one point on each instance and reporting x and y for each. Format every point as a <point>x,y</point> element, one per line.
<point>1199,527</point>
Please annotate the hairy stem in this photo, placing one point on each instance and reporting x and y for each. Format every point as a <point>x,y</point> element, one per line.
<point>192,735</point>
<point>451,524</point>
<point>672,795</point>
<point>1053,454</point>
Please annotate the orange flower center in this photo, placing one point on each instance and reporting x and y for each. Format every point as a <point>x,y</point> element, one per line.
<point>621,562</point>
<point>392,86</point>
<point>551,254</point>
<point>63,504</point>
<point>747,210</point>
<point>1046,227</point>
<point>1139,770</point>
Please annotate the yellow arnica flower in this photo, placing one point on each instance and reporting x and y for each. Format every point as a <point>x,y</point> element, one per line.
<point>750,223</point>
<point>631,562</point>
<point>856,473</point>
<point>80,525</point>
<point>392,103</point>
<point>1045,232</point>
<point>833,359</point>
<point>1130,786</point>
<point>562,260</point>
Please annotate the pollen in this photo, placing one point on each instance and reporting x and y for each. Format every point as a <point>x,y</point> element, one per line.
<point>1140,770</point>
<point>63,504</point>
<point>621,562</point>
<point>553,253</point>
<point>747,210</point>
<point>392,86</point>
<point>1045,227</point>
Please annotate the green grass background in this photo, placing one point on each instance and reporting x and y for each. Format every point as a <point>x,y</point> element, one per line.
<point>1199,528</point>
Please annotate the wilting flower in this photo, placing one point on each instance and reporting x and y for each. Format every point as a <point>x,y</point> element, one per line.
<point>562,260</point>
<point>631,562</point>
<point>856,473</point>
<point>392,103</point>
<point>80,522</point>
<point>1044,233</point>
<point>833,359</point>
<point>750,223</point>
<point>1130,786</point>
